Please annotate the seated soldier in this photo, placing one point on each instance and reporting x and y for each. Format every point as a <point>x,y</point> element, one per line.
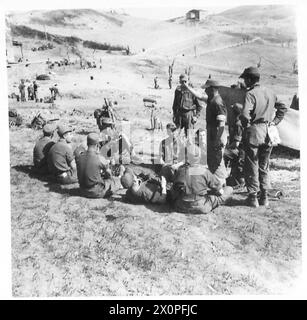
<point>116,144</point>
<point>151,191</point>
<point>41,149</point>
<point>95,179</point>
<point>195,188</point>
<point>61,161</point>
<point>169,153</point>
<point>201,142</point>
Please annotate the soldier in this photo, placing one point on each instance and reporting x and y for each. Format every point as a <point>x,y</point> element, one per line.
<point>186,108</point>
<point>201,142</point>
<point>170,80</point>
<point>156,85</point>
<point>35,89</point>
<point>169,151</point>
<point>41,149</point>
<point>30,92</point>
<point>22,90</point>
<point>61,160</point>
<point>216,113</point>
<point>116,144</point>
<point>261,109</point>
<point>151,191</point>
<point>234,153</point>
<point>195,188</point>
<point>95,180</point>
<point>54,91</point>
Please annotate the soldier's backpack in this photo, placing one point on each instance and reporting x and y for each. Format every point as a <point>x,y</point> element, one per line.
<point>38,122</point>
<point>15,119</point>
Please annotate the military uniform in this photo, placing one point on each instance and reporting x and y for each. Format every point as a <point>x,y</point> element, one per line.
<point>90,168</point>
<point>149,191</point>
<point>216,112</point>
<point>59,157</point>
<point>190,190</point>
<point>260,108</point>
<point>40,154</point>
<point>185,107</point>
<point>170,151</point>
<point>235,156</point>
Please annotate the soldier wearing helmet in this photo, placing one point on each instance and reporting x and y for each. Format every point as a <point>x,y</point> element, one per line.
<point>261,109</point>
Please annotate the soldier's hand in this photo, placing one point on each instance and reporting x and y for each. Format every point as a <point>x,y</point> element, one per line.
<point>194,119</point>
<point>234,145</point>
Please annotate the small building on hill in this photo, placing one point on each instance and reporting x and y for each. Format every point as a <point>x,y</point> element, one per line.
<point>196,15</point>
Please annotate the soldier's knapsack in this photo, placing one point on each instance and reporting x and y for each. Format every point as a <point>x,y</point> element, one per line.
<point>15,119</point>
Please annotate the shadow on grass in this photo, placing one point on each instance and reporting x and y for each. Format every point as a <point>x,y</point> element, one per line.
<point>29,170</point>
<point>64,189</point>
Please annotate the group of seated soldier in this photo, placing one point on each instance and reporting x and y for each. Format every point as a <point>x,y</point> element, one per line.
<point>184,180</point>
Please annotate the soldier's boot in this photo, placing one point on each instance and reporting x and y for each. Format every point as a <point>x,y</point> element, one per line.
<point>263,199</point>
<point>252,201</point>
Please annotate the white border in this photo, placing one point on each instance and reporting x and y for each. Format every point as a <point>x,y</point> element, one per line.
<point>5,234</point>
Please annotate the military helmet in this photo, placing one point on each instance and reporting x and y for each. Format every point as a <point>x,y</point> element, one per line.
<point>250,72</point>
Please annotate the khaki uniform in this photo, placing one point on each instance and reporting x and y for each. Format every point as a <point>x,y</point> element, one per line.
<point>260,108</point>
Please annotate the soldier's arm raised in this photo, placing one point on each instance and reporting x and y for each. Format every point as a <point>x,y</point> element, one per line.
<point>196,94</point>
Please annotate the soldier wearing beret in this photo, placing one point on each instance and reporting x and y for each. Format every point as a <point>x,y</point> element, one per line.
<point>186,108</point>
<point>95,178</point>
<point>261,109</point>
<point>61,160</point>
<point>41,149</point>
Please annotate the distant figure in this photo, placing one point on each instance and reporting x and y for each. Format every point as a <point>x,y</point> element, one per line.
<point>35,89</point>
<point>170,82</point>
<point>156,85</point>
<point>22,90</point>
<point>54,91</point>
<point>30,92</point>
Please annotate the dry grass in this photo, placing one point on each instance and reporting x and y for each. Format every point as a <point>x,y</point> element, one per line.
<point>66,245</point>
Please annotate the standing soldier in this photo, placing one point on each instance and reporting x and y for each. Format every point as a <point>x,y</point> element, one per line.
<point>156,85</point>
<point>261,109</point>
<point>35,88</point>
<point>186,108</point>
<point>170,82</point>
<point>22,90</point>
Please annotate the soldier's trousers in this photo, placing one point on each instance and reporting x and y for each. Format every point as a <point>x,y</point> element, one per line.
<point>256,167</point>
<point>68,177</point>
<point>184,120</point>
<point>102,190</point>
<point>204,205</point>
